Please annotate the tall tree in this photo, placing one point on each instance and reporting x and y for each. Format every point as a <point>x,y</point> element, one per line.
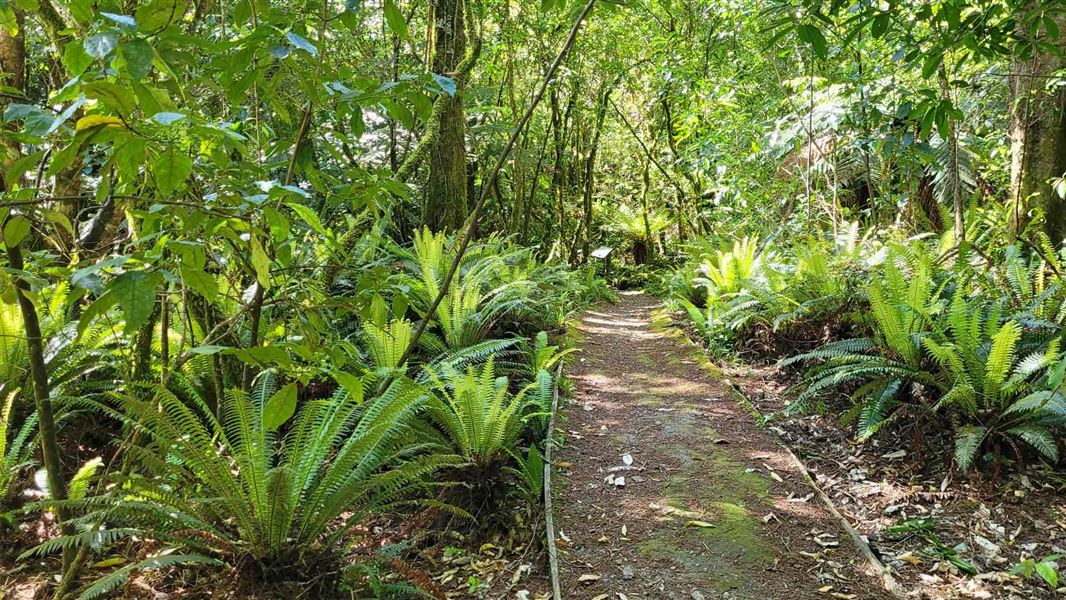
<point>446,207</point>
<point>1038,123</point>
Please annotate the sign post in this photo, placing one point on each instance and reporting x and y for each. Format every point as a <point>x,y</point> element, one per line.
<point>604,252</point>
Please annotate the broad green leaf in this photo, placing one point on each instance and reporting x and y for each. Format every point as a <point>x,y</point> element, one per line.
<point>395,19</point>
<point>116,97</point>
<point>309,216</point>
<point>135,293</point>
<point>930,64</point>
<point>199,281</point>
<point>279,408</point>
<point>158,14</point>
<point>138,56</point>
<point>167,118</point>
<point>814,38</point>
<point>880,25</point>
<point>1047,572</point>
<point>171,170</point>
<point>76,59</point>
<point>19,167</point>
<point>300,42</point>
<point>124,20</point>
<point>95,310</point>
<point>446,83</point>
<point>260,262</point>
<point>15,230</point>
<point>100,45</point>
<point>351,383</point>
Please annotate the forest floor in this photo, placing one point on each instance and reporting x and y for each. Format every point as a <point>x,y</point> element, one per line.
<point>668,488</point>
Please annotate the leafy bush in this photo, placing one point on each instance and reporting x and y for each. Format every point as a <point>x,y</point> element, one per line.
<point>959,359</point>
<point>253,485</point>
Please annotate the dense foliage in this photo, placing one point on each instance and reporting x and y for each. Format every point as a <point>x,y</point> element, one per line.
<point>273,270</point>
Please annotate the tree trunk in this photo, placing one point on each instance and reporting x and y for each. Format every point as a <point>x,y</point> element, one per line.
<point>1038,135</point>
<point>590,166</point>
<point>50,452</point>
<point>446,207</point>
<point>13,69</point>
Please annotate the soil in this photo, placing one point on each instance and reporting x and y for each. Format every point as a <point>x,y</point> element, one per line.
<point>711,505</point>
<point>888,480</point>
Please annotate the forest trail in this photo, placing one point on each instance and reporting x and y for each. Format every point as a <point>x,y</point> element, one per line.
<point>710,508</point>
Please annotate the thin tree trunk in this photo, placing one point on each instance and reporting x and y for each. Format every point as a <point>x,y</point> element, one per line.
<point>50,452</point>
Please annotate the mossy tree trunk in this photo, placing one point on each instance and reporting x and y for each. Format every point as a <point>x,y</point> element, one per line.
<point>446,206</point>
<point>1038,132</point>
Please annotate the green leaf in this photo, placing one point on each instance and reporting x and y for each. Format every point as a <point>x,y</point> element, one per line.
<point>199,281</point>
<point>76,59</point>
<point>100,45</point>
<point>967,441</point>
<point>207,349</point>
<point>1047,572</point>
<point>15,230</point>
<point>96,309</point>
<point>279,408</point>
<point>260,262</point>
<point>171,169</point>
<point>124,20</point>
<point>395,19</point>
<point>931,63</point>
<point>300,42</point>
<point>308,215</point>
<point>880,24</point>
<point>351,384</point>
<point>138,56</point>
<point>814,38</point>
<point>167,118</point>
<point>115,97</point>
<point>19,167</point>
<point>158,14</point>
<point>135,293</point>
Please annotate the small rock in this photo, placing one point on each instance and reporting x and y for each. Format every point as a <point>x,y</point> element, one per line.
<point>627,572</point>
<point>697,596</point>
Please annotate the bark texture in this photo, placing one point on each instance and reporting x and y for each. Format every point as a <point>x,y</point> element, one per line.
<point>446,206</point>
<point>1038,135</point>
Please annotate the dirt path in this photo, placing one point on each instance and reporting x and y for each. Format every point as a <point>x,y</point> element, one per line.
<point>711,507</point>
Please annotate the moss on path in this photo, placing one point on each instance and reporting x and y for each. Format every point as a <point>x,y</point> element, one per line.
<point>709,507</point>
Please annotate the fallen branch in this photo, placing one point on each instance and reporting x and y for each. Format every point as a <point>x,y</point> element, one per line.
<point>549,521</point>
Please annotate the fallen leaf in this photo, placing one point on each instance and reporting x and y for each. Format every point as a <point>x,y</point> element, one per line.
<point>603,539</point>
<point>588,578</point>
<point>695,523</point>
<point>776,477</point>
<point>564,537</point>
<point>625,530</point>
<point>910,558</point>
